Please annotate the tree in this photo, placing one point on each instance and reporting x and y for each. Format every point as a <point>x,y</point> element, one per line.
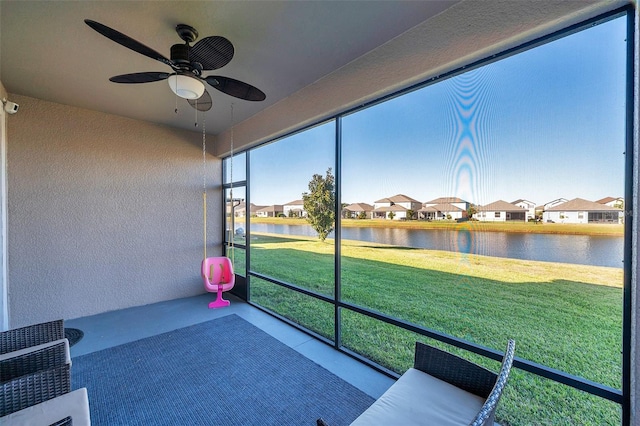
<point>319,203</point>
<point>471,211</point>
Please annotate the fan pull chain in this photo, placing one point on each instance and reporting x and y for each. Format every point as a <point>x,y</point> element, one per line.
<point>196,112</point>
<point>176,97</point>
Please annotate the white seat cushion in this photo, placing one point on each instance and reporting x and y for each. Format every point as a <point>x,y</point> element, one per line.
<point>74,404</point>
<point>420,399</point>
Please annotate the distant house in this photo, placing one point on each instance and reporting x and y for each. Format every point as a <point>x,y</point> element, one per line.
<point>501,211</point>
<point>353,211</point>
<point>399,205</point>
<point>618,203</point>
<point>579,210</point>
<point>612,202</point>
<point>384,212</point>
<point>241,209</point>
<point>270,211</point>
<point>294,209</point>
<point>541,209</point>
<point>553,203</point>
<point>441,211</point>
<point>530,206</point>
<point>444,208</point>
<point>454,201</point>
<point>427,213</point>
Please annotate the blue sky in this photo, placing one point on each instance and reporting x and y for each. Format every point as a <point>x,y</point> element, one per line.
<point>540,125</point>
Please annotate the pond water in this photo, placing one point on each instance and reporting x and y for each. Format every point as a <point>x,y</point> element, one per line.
<point>578,249</point>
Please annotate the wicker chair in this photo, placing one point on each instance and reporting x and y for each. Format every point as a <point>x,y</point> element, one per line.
<point>36,389</point>
<point>441,389</point>
<point>31,335</point>
<point>69,409</point>
<point>35,379</point>
<point>468,376</point>
<point>33,359</point>
<point>33,348</point>
<point>31,389</point>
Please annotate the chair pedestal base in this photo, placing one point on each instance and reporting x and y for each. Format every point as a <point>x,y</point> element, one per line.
<point>219,302</point>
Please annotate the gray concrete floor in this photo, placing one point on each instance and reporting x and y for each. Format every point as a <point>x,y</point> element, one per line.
<point>117,327</point>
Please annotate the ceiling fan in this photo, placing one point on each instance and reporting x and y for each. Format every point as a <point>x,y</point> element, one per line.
<point>187,63</point>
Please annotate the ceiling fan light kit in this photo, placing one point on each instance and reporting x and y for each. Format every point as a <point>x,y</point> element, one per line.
<point>188,63</point>
<point>185,86</point>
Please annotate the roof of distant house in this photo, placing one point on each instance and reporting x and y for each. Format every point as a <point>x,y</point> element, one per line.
<point>444,207</point>
<point>606,200</point>
<point>394,208</point>
<point>579,204</point>
<point>359,207</point>
<point>556,201</point>
<point>274,208</point>
<point>446,200</point>
<point>295,203</point>
<point>500,206</point>
<point>530,203</point>
<point>400,198</point>
<point>243,206</point>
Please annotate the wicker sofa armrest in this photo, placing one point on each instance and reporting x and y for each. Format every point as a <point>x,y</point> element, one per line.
<point>69,409</point>
<point>454,370</point>
<point>33,359</point>
<point>486,414</point>
<point>32,389</point>
<point>31,335</point>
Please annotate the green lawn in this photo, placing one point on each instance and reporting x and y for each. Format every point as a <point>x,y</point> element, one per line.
<point>565,316</point>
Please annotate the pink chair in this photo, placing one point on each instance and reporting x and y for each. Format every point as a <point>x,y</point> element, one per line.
<point>218,276</point>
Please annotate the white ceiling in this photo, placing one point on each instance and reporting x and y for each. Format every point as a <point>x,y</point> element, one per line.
<point>48,52</point>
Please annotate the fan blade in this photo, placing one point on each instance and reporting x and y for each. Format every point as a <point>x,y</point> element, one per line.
<point>203,103</point>
<point>140,77</point>
<point>236,88</point>
<point>127,41</point>
<point>212,52</point>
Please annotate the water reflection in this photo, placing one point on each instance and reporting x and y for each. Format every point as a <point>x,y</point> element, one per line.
<point>578,249</point>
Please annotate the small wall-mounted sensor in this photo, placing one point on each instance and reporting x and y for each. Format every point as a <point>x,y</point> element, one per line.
<point>10,107</point>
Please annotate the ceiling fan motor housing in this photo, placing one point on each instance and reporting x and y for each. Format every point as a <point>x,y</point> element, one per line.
<point>180,54</point>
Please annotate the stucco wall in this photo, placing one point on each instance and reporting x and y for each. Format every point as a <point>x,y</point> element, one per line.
<point>490,216</point>
<point>4,312</point>
<point>566,217</point>
<point>104,212</point>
